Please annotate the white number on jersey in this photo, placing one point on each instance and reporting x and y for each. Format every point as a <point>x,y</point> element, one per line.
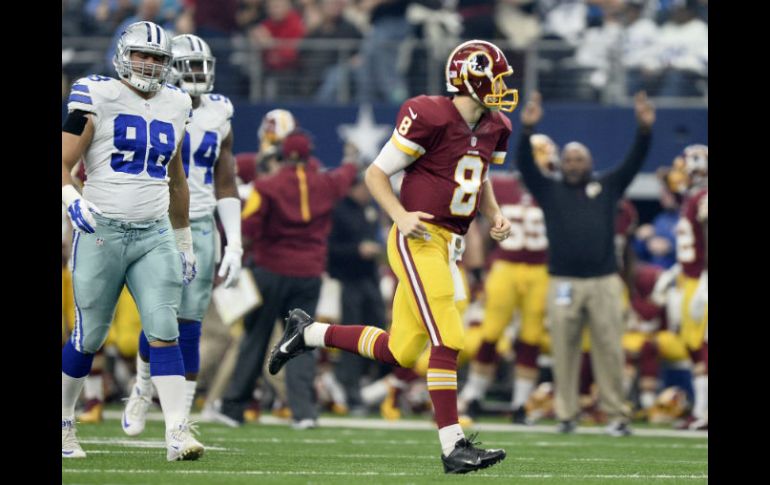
<point>464,197</point>
<point>527,228</point>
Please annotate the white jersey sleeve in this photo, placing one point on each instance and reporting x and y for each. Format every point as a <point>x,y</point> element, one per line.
<point>134,140</point>
<point>202,145</point>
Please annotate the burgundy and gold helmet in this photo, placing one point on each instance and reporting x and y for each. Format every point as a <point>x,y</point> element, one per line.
<point>477,68</point>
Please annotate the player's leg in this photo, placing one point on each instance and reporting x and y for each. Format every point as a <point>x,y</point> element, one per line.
<point>154,278</point>
<point>500,303</point>
<point>97,275</point>
<point>527,344</point>
<point>693,333</point>
<point>195,302</point>
<point>140,398</point>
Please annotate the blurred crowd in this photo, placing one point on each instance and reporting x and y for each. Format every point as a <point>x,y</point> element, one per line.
<point>307,48</point>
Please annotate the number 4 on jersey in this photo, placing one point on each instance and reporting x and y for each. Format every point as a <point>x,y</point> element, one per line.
<point>204,156</point>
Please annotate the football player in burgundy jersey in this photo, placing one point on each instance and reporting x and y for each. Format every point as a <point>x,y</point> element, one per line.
<point>445,146</point>
<point>692,255</point>
<point>517,282</point>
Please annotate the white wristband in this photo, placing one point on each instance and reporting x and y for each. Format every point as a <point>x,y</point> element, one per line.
<point>184,238</point>
<point>69,194</point>
<point>229,209</point>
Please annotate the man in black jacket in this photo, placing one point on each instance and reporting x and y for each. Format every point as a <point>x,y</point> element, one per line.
<point>354,249</point>
<point>584,285</point>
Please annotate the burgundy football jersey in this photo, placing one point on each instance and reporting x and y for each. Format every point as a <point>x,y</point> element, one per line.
<point>528,242</point>
<point>453,159</point>
<point>690,247</point>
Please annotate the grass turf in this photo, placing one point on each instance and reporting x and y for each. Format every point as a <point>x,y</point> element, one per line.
<point>279,454</point>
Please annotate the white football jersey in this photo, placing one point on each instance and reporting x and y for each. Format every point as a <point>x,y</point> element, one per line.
<point>134,140</point>
<point>210,125</point>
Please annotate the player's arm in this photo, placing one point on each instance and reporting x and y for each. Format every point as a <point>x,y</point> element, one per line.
<point>229,209</point>
<point>179,214</point>
<point>501,226</point>
<point>391,160</point>
<point>76,136</point>
<point>645,116</point>
<point>525,160</point>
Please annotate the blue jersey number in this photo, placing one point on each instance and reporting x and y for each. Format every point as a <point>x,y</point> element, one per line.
<point>131,136</point>
<point>204,156</point>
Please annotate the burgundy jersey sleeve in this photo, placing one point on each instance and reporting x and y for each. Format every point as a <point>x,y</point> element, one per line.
<point>415,130</point>
<point>341,178</point>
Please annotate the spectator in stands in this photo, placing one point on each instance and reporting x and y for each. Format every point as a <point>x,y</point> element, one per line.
<point>564,19</point>
<point>287,220</point>
<point>639,38</point>
<point>214,20</point>
<point>478,18</point>
<point>380,78</point>
<point>250,12</point>
<point>326,68</point>
<point>517,20</point>
<point>147,10</point>
<point>355,246</point>
<point>276,36</point>
<point>683,52</point>
<point>109,14</point>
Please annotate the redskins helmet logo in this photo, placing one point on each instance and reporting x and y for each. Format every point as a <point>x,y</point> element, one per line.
<point>478,63</point>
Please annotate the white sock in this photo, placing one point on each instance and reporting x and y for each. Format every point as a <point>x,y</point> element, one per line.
<point>70,391</point>
<point>647,399</point>
<point>314,334</point>
<point>143,376</point>
<point>171,392</point>
<point>94,387</point>
<point>449,436</point>
<point>700,408</point>
<point>475,388</point>
<point>522,388</point>
<point>189,395</point>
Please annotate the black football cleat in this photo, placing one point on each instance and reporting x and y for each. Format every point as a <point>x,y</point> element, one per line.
<point>467,458</point>
<point>292,343</point>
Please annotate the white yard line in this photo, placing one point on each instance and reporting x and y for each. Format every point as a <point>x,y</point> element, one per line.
<point>404,424</point>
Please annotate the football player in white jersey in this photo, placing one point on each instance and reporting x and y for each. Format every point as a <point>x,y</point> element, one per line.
<point>131,223</point>
<point>207,156</point>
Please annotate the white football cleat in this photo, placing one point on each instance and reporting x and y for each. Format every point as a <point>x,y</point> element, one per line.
<point>180,443</point>
<point>135,414</point>
<point>70,448</point>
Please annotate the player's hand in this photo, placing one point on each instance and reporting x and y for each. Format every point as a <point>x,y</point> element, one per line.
<point>533,111</point>
<point>410,226</point>
<point>189,266</point>
<point>369,249</point>
<point>185,245</point>
<point>700,298</point>
<point>230,269</point>
<point>79,212</point>
<point>645,110</point>
<point>501,227</point>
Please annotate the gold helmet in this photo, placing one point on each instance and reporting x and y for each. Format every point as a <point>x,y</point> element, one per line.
<point>275,125</point>
<point>690,169</point>
<point>670,404</point>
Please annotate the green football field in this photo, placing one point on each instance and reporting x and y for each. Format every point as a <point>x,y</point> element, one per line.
<point>378,452</point>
